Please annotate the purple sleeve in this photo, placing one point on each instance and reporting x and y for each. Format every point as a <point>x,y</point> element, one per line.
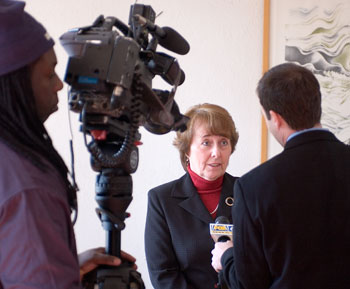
<point>37,244</point>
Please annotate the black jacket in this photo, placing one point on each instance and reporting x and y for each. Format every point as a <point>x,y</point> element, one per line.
<point>177,240</point>
<point>292,218</point>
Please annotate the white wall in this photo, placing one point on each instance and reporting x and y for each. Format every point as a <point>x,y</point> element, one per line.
<point>223,67</point>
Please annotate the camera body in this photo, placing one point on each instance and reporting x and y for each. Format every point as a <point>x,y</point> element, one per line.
<point>107,68</point>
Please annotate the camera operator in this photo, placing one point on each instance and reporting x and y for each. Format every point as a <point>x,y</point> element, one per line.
<point>37,240</point>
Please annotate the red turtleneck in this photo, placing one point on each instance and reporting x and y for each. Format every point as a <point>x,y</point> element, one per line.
<point>209,191</point>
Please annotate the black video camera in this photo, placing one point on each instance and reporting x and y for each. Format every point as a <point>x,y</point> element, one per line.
<point>103,64</point>
<point>110,73</point>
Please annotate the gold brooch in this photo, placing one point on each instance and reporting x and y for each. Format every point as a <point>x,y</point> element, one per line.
<point>229,201</point>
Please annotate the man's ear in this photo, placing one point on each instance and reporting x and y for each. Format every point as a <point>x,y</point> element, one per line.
<point>276,119</point>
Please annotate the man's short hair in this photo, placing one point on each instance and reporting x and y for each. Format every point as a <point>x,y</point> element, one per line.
<point>293,92</point>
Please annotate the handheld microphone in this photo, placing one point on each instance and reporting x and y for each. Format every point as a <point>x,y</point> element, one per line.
<point>221,230</point>
<point>166,36</point>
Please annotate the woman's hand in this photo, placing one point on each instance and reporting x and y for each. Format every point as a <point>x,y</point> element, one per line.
<point>90,259</point>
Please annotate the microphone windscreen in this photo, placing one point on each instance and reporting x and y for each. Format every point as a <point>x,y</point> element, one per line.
<point>173,41</point>
<point>222,220</point>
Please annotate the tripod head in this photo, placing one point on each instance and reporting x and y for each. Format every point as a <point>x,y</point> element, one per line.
<point>110,71</point>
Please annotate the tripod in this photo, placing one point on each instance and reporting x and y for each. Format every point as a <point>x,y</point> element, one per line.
<point>113,195</point>
<point>114,158</point>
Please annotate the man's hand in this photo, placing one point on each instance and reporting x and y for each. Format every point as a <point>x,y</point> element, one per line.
<point>90,259</point>
<point>219,249</point>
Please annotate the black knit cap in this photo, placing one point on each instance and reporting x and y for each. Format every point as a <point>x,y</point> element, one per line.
<point>22,39</point>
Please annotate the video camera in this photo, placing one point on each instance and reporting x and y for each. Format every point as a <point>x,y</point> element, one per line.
<point>110,71</point>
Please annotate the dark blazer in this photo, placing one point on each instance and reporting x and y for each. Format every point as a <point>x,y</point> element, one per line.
<point>292,218</point>
<point>177,240</point>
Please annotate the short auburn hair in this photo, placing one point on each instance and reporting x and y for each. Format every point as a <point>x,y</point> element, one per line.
<point>219,122</point>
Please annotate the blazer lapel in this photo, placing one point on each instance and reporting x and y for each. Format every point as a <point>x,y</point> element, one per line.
<point>226,198</point>
<point>192,203</point>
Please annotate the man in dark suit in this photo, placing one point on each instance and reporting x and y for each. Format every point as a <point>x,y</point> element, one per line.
<point>292,214</point>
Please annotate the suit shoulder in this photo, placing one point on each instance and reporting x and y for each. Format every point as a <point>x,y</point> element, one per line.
<point>263,169</point>
<point>167,187</point>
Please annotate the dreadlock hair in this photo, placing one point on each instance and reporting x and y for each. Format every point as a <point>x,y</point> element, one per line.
<point>18,113</point>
